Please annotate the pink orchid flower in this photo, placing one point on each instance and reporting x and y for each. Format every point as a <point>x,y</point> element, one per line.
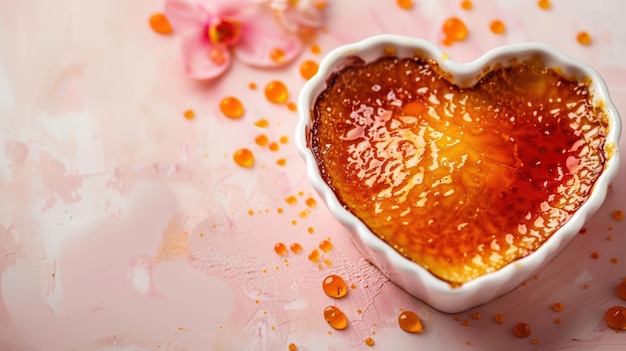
<point>263,33</point>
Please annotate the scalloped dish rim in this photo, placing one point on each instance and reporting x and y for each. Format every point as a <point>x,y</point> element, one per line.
<point>405,273</point>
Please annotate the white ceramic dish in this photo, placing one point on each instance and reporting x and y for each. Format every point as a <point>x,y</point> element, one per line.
<point>410,276</point>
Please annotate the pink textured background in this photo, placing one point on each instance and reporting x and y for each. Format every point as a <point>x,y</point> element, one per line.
<point>124,226</point>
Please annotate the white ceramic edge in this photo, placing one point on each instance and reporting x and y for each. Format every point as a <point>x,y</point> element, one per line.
<point>408,275</point>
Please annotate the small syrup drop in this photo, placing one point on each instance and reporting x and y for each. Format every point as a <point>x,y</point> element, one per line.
<point>308,69</point>
<point>583,38</point>
<point>454,29</point>
<point>231,107</point>
<point>410,322</point>
<point>558,307</point>
<point>296,248</point>
<point>369,342</point>
<point>160,24</point>
<point>326,245</point>
<point>292,347</point>
<point>334,286</point>
<point>499,318</point>
<point>467,5</point>
<point>544,4</point>
<point>335,317</point>
<point>314,256</point>
<point>311,202</point>
<point>615,318</point>
<point>244,158</point>
<point>280,249</point>
<point>292,200</point>
<point>277,55</point>
<point>618,215</point>
<point>521,330</point>
<point>276,92</point>
<point>405,4</point>
<point>189,114</point>
<point>315,49</point>
<point>262,123</point>
<point>261,140</point>
<point>497,27</point>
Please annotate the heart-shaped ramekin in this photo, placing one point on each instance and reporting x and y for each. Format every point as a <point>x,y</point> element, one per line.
<point>410,276</point>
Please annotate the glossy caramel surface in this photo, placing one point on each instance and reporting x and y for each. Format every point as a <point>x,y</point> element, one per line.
<point>461,181</point>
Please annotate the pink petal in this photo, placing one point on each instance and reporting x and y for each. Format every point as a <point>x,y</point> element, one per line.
<point>302,14</point>
<point>187,16</point>
<point>202,59</point>
<point>261,35</point>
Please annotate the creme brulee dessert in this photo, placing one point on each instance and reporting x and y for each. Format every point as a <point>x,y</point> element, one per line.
<point>461,181</point>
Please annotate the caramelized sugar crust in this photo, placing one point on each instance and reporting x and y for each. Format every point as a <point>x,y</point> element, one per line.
<point>461,181</point>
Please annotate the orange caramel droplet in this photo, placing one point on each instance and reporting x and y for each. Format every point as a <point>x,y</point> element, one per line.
<point>292,200</point>
<point>534,341</point>
<point>595,255</point>
<point>292,347</point>
<point>557,321</point>
<point>410,322</point>
<point>369,342</point>
<point>454,30</point>
<point>244,158</point>
<point>405,4</point>
<point>558,307</point>
<point>335,317</point>
<point>160,24</point>
<point>261,140</point>
<point>334,286</point>
<point>280,249</point>
<point>326,245</point>
<point>621,290</point>
<point>314,256</point>
<point>467,5</point>
<point>521,330</point>
<point>499,318</point>
<point>308,69</point>
<point>217,56</point>
<point>283,139</point>
<point>231,107</point>
<point>296,248</point>
<point>497,27</point>
<point>583,38</point>
<point>614,260</point>
<point>189,114</point>
<point>310,230</point>
<point>281,162</point>
<point>311,202</point>
<point>252,86</point>
<point>618,215</point>
<point>466,323</point>
<point>615,318</point>
<point>316,49</point>
<point>276,92</point>
<point>544,4</point>
<point>277,55</point>
<point>262,123</point>
<point>291,106</point>
<point>273,146</point>
<point>475,315</point>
